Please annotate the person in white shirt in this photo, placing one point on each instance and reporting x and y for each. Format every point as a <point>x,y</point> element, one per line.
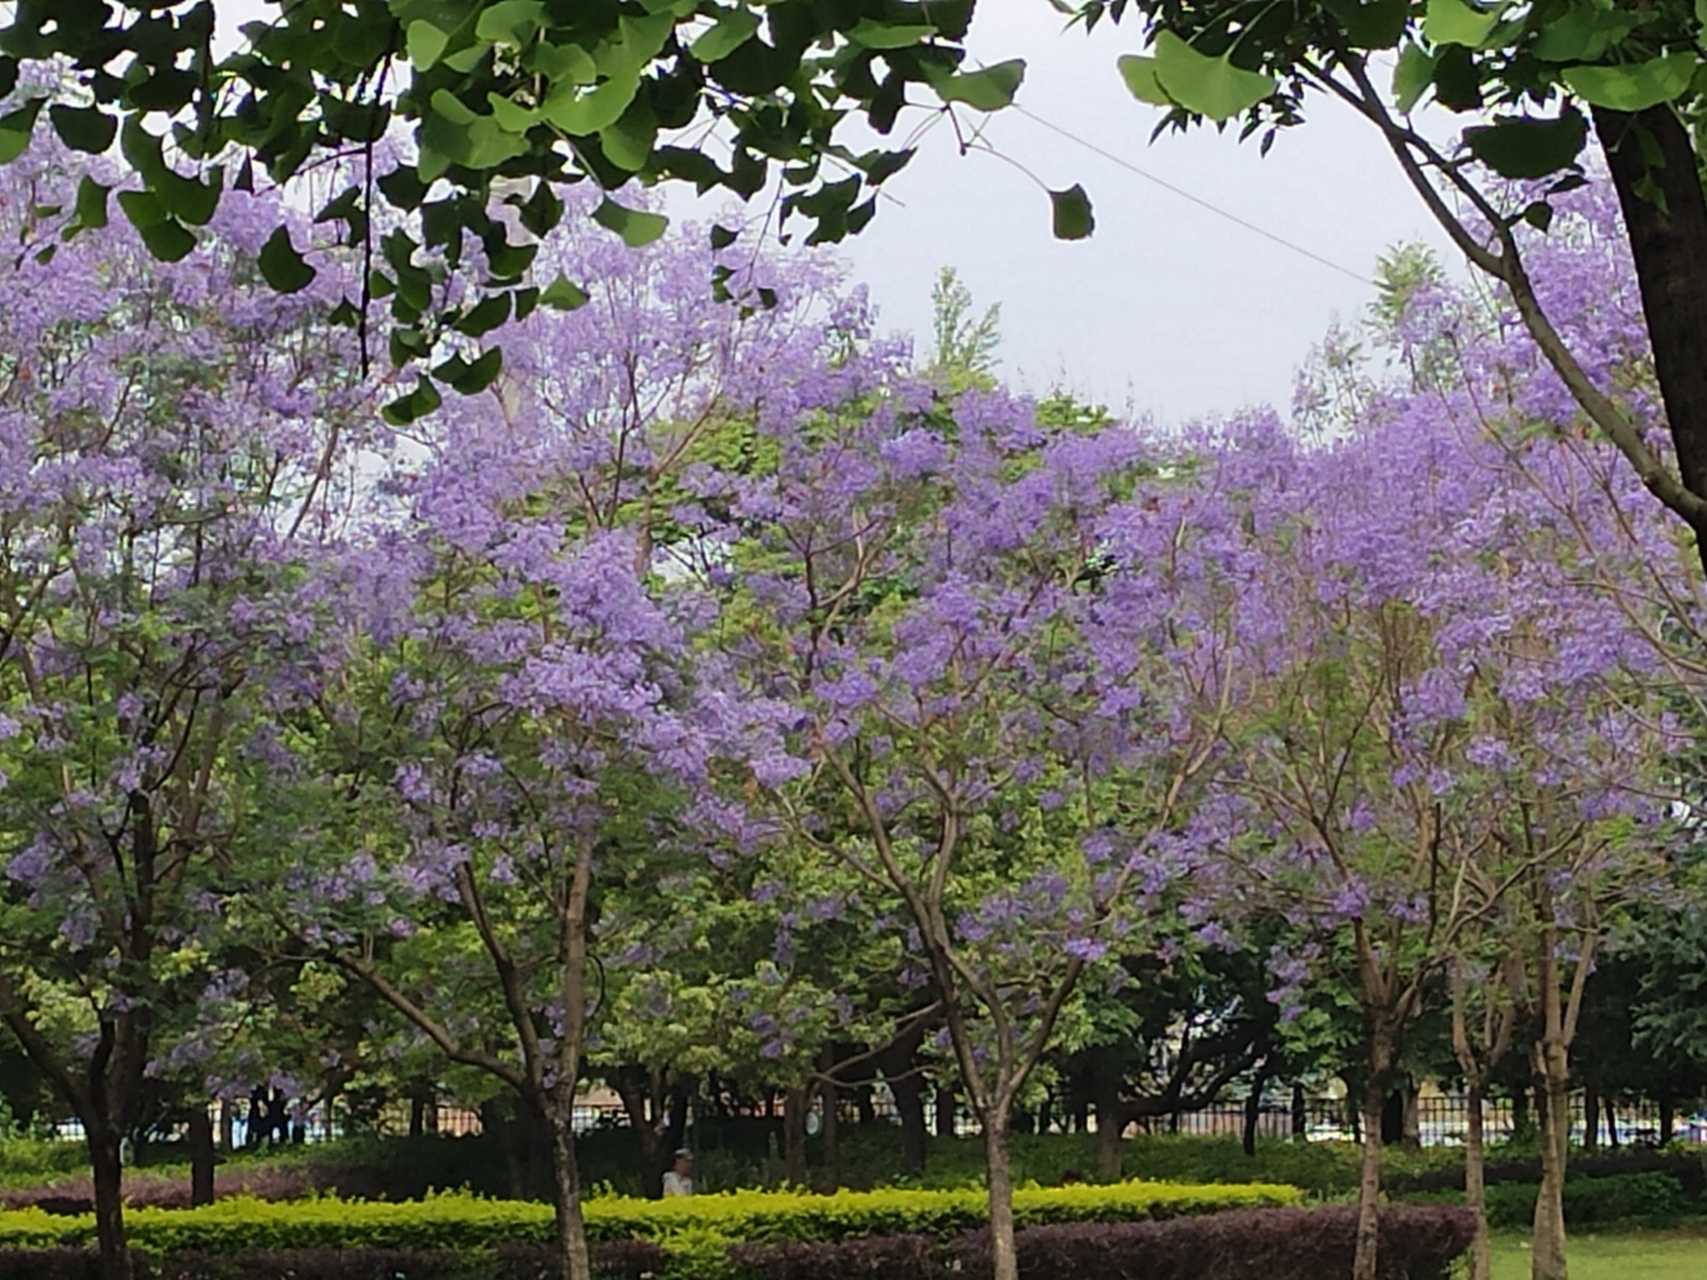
<point>678,1179</point>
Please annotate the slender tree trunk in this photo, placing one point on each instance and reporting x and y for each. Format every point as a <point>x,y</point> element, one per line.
<point>201,1156</point>
<point>1611,1120</point>
<point>228,1123</point>
<point>1253,1109</point>
<point>1004,1258</point>
<point>572,1256</point>
<point>945,1107</point>
<point>1364,1259</point>
<point>1300,1113</point>
<point>831,1097</point>
<point>1668,1118</point>
<point>1547,1239</point>
<point>104,1139</point>
<point>1591,1117</point>
<point>1475,1182</point>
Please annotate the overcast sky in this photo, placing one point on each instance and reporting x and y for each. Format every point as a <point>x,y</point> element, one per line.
<point>1167,308</point>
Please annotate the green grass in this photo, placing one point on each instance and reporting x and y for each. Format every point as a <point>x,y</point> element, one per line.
<point>1678,1254</point>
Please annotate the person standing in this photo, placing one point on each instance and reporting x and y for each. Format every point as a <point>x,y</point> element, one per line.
<point>678,1179</point>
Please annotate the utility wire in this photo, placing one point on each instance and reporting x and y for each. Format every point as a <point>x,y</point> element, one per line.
<point>1196,200</point>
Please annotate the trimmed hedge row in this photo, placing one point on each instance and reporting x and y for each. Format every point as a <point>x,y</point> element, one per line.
<point>463,1222</point>
<point>1417,1243</point>
<point>1589,1202</point>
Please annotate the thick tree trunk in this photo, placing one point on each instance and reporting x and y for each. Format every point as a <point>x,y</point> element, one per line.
<point>909,1094</point>
<point>1364,1259</point>
<point>1665,216</point>
<point>1475,1183</point>
<point>104,1139</point>
<point>1111,1147</point>
<point>999,1172</point>
<point>201,1157</point>
<point>642,1097</point>
<point>794,1109</point>
<point>572,1256</point>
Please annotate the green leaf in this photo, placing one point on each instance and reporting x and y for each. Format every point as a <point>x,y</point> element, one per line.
<point>733,30</point>
<point>415,405</point>
<point>282,266</point>
<point>1071,217</point>
<point>628,143</point>
<point>1378,24</point>
<point>1635,86</point>
<point>1518,147</point>
<point>636,226</point>
<point>562,294</point>
<point>485,316</point>
<point>511,22</point>
<point>581,114</point>
<point>884,35</point>
<point>84,128</point>
<point>470,377</point>
<point>1454,22</point>
<point>561,65</point>
<point>988,90</point>
<point>16,128</point>
<point>1412,76</point>
<point>425,43</point>
<point>91,207</point>
<point>511,116</point>
<point>1140,76</point>
<point>1211,87</point>
<point>721,237</point>
<point>165,237</point>
<point>1581,35</point>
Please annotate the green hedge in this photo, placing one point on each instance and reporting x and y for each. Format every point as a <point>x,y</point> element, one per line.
<point>693,1224</point>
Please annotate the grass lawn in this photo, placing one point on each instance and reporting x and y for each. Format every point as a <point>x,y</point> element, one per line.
<point>1680,1254</point>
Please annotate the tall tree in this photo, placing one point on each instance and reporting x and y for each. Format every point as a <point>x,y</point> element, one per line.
<point>177,448</point>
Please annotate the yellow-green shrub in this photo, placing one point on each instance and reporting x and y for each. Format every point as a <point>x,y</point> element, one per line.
<point>464,1222</point>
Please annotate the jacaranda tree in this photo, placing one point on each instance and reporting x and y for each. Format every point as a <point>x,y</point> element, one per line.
<point>178,450</point>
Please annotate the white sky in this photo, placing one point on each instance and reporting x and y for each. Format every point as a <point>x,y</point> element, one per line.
<point>1167,309</point>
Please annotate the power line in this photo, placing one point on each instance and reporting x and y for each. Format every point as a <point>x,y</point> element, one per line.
<point>1196,200</point>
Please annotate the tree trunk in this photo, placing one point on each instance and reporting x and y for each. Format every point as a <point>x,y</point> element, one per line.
<point>501,1130</point>
<point>909,1095</point>
<point>638,1087</point>
<point>1665,216</point>
<point>1369,1181</point>
<point>573,1259</point>
<point>794,1109</point>
<point>945,1111</point>
<point>1591,1117</point>
<point>831,1099</point>
<point>1253,1109</point>
<point>1547,1239</point>
<point>201,1157</point>
<point>104,1139</point>
<point>228,1123</point>
<point>1111,1131</point>
<point>417,1116</point>
<point>1475,1183</point>
<point>1004,1258</point>
<point>1300,1113</point>
<point>1668,1118</point>
<point>1611,1120</point>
